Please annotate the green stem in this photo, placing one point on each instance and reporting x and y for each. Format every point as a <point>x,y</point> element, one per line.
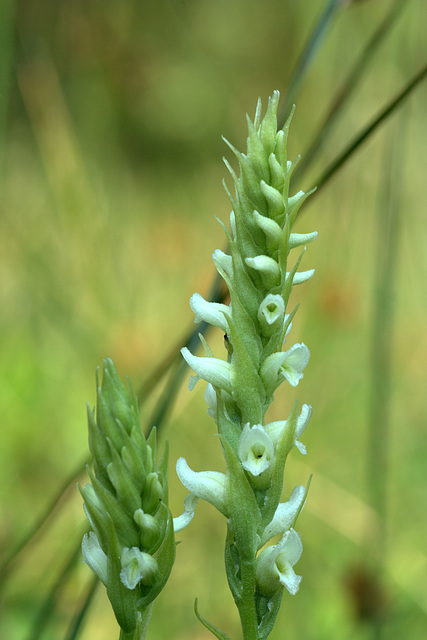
<point>141,626</point>
<point>246,602</point>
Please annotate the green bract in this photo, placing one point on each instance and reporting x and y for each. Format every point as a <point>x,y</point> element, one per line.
<point>131,547</point>
<point>259,275</point>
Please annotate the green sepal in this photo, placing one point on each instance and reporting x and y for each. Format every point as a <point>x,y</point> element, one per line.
<point>216,631</point>
<point>139,445</point>
<point>243,324</point>
<point>267,610</point>
<point>107,420</point>
<point>99,449</point>
<point>272,232</point>
<point>133,452</point>
<point>288,282</point>
<point>96,516</point>
<point>283,448</point>
<point>268,128</point>
<point>244,514</point>
<point>165,558</point>
<point>162,470</point>
<point>277,177</point>
<point>256,152</point>
<point>281,145</point>
<point>293,211</point>
<point>249,188</point>
<point>227,428</point>
<point>276,341</point>
<point>242,284</point>
<point>132,458</point>
<point>162,518</point>
<point>284,248</point>
<point>232,566</point>
<point>116,395</point>
<point>153,493</point>
<point>123,483</point>
<point>126,527</point>
<point>248,390</point>
<point>152,448</point>
<point>123,600</point>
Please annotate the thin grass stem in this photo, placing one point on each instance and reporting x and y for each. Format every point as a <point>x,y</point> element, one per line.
<point>308,57</point>
<point>349,86</point>
<point>387,111</point>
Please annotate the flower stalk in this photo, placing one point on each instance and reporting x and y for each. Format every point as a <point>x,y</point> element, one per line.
<point>260,277</point>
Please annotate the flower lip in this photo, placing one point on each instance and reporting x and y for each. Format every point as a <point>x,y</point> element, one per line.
<point>274,565</point>
<point>255,450</point>
<point>208,485</point>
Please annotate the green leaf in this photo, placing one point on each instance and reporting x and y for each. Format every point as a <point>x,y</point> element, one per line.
<point>211,627</point>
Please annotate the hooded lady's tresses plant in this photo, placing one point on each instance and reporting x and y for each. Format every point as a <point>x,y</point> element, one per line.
<point>131,547</point>
<point>240,389</point>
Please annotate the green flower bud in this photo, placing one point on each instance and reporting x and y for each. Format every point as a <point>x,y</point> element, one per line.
<point>153,493</point>
<point>149,527</point>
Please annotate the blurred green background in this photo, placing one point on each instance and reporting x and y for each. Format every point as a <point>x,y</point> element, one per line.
<point>111,115</point>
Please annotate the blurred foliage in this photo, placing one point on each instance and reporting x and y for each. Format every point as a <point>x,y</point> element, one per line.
<point>111,115</point>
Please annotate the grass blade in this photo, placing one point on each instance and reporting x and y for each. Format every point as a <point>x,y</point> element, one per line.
<point>77,623</point>
<point>349,86</point>
<point>49,604</point>
<point>52,509</point>
<point>387,111</point>
<point>307,57</point>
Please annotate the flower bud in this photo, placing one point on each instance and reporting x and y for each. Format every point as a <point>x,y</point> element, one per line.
<point>153,493</point>
<point>149,527</point>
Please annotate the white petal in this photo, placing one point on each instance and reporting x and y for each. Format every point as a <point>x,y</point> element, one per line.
<point>296,360</point>
<point>299,239</point>
<point>208,485</point>
<point>211,400</point>
<point>185,518</point>
<point>264,264</point>
<point>275,430</point>
<point>269,371</point>
<point>223,263</point>
<point>255,450</point>
<point>289,578</point>
<point>296,198</point>
<point>303,419</point>
<point>271,309</point>
<point>273,197</point>
<point>213,370</point>
<point>272,230</point>
<point>213,313</point>
<point>289,326</point>
<point>289,551</point>
<point>289,547</point>
<point>302,276</point>
<point>137,566</point>
<point>302,422</point>
<point>94,556</point>
<point>284,516</point>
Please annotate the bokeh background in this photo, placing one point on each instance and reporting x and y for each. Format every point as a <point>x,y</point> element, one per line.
<point>111,115</point>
